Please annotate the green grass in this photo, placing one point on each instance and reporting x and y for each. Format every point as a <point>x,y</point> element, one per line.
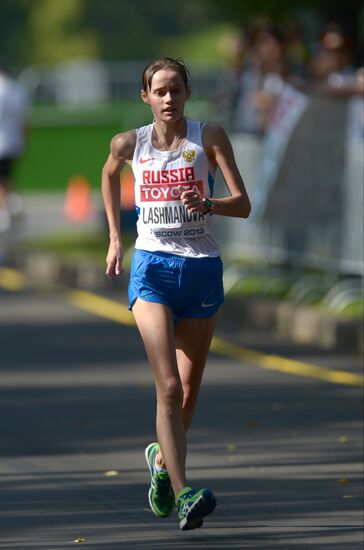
<point>355,310</point>
<point>55,154</point>
<point>272,287</point>
<point>278,286</point>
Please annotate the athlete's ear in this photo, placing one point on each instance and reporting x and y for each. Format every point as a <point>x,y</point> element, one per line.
<point>144,96</point>
<point>189,92</point>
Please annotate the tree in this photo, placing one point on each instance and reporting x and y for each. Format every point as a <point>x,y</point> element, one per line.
<point>57,31</point>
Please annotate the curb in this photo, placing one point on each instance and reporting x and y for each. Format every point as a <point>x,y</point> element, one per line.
<point>44,268</point>
<point>300,324</point>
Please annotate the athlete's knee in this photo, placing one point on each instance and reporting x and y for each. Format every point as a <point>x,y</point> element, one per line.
<point>170,393</point>
<point>189,401</point>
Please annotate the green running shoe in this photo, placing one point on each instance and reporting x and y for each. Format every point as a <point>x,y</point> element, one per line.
<point>193,505</point>
<point>161,498</point>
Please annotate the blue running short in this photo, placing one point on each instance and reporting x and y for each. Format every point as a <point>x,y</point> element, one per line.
<point>191,287</point>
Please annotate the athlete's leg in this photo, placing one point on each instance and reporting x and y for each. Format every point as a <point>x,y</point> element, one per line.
<point>193,339</point>
<point>155,323</point>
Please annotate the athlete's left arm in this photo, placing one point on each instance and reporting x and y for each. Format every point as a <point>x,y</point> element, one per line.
<point>220,153</point>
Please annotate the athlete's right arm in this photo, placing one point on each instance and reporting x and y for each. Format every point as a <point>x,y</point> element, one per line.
<point>121,151</point>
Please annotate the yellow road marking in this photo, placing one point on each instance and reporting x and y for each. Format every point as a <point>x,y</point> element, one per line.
<point>11,279</point>
<point>282,364</point>
<point>101,306</point>
<point>108,309</point>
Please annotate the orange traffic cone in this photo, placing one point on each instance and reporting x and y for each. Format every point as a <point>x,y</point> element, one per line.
<point>78,204</point>
<point>127,189</point>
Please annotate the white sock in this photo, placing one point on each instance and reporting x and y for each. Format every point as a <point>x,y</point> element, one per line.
<point>158,468</point>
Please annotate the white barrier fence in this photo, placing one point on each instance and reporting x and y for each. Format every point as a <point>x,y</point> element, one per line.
<point>333,245</point>
<point>80,82</point>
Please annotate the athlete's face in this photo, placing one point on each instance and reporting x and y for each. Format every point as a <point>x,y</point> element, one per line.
<point>167,95</point>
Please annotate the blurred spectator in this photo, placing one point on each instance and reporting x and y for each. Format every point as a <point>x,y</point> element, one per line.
<point>272,60</point>
<point>331,69</point>
<point>231,47</point>
<point>332,72</point>
<point>295,50</point>
<point>12,126</point>
<point>261,80</point>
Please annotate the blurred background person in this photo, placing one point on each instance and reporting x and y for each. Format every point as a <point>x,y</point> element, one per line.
<point>262,78</point>
<point>331,69</point>
<point>333,73</point>
<point>296,51</point>
<point>13,103</point>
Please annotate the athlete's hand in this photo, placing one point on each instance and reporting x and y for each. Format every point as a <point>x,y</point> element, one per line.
<point>192,201</point>
<point>114,259</point>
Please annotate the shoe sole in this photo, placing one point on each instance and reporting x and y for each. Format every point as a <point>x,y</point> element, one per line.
<point>203,506</point>
<point>196,524</point>
<point>155,512</point>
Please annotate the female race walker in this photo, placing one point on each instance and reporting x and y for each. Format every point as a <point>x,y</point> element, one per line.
<point>175,287</point>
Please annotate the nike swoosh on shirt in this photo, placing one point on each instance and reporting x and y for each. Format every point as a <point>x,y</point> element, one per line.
<point>142,161</point>
<point>207,305</point>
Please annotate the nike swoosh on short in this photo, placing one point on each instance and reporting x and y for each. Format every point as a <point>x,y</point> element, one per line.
<point>207,305</point>
<point>142,161</point>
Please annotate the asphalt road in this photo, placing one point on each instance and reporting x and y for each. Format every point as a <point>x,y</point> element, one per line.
<point>283,453</point>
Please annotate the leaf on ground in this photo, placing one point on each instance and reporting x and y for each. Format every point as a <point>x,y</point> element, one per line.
<point>111,473</point>
<point>343,480</point>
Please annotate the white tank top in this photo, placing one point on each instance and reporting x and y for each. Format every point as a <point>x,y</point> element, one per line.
<point>164,224</point>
